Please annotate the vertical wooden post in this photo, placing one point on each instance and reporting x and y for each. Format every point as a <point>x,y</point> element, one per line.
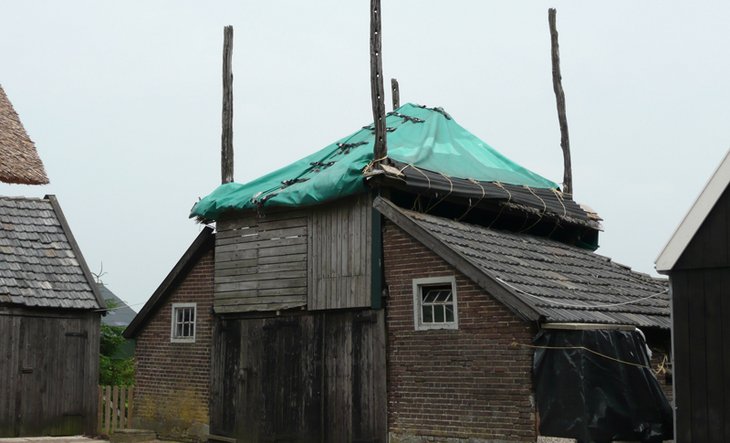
<point>380,150</point>
<point>560,99</point>
<point>396,93</point>
<point>100,410</point>
<point>227,133</point>
<point>107,409</point>
<point>115,411</point>
<point>123,408</point>
<point>130,409</point>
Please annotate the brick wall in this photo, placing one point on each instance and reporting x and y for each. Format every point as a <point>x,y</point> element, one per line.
<point>173,378</point>
<point>463,384</point>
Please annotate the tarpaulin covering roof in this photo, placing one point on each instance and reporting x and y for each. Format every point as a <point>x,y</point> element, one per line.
<point>427,138</point>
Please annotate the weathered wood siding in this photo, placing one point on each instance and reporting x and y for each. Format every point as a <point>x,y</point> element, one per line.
<point>49,362</point>
<point>700,284</point>
<point>319,257</point>
<point>309,377</point>
<point>340,254</point>
<point>261,262</point>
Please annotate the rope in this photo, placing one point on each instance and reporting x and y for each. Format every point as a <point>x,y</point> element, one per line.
<point>421,172</point>
<point>468,210</point>
<point>607,305</point>
<point>559,196</point>
<point>501,207</point>
<point>544,209</point>
<point>600,354</point>
<point>451,188</point>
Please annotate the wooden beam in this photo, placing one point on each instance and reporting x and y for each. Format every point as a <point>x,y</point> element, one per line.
<point>560,99</point>
<point>227,132</point>
<point>396,93</point>
<point>380,150</point>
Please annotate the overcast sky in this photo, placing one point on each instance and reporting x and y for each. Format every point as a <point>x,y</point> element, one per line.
<point>123,102</point>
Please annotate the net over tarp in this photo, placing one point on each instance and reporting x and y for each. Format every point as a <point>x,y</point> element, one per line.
<point>427,138</point>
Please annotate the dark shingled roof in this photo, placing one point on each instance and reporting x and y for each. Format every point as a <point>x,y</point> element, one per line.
<point>118,313</point>
<point>560,283</point>
<point>40,264</point>
<point>19,160</point>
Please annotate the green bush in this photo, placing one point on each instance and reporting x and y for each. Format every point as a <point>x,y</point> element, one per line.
<point>114,371</point>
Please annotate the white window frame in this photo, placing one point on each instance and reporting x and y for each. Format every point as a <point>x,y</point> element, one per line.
<point>173,312</point>
<point>418,285</point>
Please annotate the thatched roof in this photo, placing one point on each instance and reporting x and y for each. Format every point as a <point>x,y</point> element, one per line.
<point>19,161</point>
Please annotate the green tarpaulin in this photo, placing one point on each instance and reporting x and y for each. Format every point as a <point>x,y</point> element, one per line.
<point>427,138</point>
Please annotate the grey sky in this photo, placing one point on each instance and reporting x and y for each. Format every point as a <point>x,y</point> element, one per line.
<point>123,102</point>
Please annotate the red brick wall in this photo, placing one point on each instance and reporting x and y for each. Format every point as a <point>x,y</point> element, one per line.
<point>465,383</point>
<point>173,378</point>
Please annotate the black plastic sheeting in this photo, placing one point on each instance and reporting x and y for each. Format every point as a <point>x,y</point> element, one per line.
<point>593,398</point>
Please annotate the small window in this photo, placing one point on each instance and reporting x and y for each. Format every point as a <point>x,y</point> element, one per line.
<point>183,322</point>
<point>434,303</point>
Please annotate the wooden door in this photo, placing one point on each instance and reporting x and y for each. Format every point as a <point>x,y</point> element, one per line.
<point>315,377</point>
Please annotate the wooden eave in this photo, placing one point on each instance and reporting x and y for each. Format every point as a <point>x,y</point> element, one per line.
<point>483,279</point>
<point>76,250</point>
<point>202,243</point>
<point>697,214</point>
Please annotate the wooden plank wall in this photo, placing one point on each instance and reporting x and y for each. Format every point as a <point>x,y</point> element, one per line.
<point>341,255</point>
<point>700,284</point>
<point>261,262</point>
<point>701,345</point>
<point>300,378</point>
<point>52,362</point>
<point>319,257</point>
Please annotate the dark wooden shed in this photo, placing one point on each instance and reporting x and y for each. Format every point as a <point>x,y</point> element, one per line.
<point>49,324</point>
<point>697,260</point>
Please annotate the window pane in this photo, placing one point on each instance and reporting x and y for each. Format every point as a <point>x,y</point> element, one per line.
<point>428,314</point>
<point>178,330</point>
<point>450,314</point>
<point>428,297</point>
<point>438,314</point>
<point>179,315</point>
<point>192,315</point>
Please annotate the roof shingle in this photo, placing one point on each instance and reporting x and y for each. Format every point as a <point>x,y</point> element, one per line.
<point>38,264</point>
<point>19,160</point>
<point>563,283</point>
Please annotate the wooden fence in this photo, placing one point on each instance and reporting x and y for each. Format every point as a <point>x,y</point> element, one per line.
<point>116,408</point>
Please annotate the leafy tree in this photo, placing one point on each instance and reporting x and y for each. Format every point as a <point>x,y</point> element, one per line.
<point>114,371</point>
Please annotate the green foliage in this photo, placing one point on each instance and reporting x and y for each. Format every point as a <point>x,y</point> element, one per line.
<point>114,371</point>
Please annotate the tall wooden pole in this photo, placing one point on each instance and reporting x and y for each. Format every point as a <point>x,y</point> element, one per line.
<point>227,131</point>
<point>396,93</point>
<point>380,150</point>
<point>560,99</point>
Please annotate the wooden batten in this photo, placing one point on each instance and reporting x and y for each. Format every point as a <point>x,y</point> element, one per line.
<point>380,150</point>
<point>396,93</point>
<point>560,101</point>
<point>227,129</point>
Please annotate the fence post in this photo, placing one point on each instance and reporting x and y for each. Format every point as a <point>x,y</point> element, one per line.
<point>115,405</point>
<point>123,408</point>
<point>100,410</point>
<point>130,408</point>
<point>107,409</point>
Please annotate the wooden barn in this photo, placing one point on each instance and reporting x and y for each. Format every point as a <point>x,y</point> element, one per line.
<point>697,260</point>
<point>410,302</point>
<point>49,324</point>
<point>49,305</point>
